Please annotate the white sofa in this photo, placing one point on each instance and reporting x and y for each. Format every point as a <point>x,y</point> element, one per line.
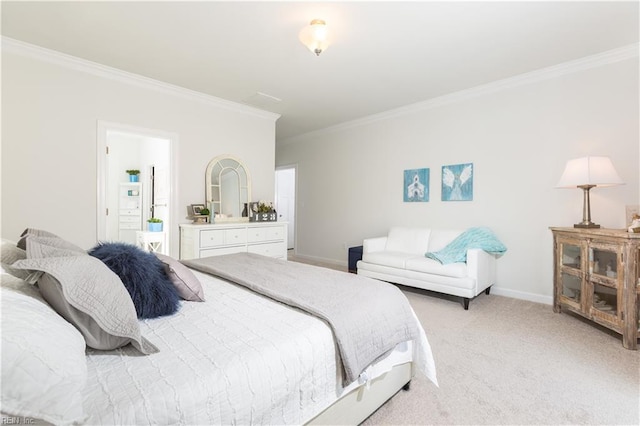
<point>400,258</point>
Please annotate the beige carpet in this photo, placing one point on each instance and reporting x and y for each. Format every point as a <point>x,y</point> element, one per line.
<point>511,362</point>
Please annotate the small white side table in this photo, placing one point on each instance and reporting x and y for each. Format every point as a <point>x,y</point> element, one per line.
<point>153,242</point>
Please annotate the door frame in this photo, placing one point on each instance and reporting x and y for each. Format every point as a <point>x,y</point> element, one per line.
<point>102,178</point>
<point>295,204</point>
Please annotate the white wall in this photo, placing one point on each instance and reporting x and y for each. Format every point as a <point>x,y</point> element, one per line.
<point>49,121</point>
<point>350,178</point>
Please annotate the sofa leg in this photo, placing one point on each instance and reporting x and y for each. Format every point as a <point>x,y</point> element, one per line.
<point>407,386</point>
<point>465,301</point>
<point>487,290</point>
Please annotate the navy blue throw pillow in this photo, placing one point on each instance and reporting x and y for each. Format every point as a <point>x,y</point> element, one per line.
<point>144,276</point>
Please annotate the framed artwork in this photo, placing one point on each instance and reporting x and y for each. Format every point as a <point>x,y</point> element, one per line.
<point>416,185</point>
<point>457,182</point>
<point>197,208</point>
<point>253,209</point>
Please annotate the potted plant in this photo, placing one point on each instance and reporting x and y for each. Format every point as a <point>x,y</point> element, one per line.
<point>154,224</point>
<point>262,211</point>
<point>133,175</point>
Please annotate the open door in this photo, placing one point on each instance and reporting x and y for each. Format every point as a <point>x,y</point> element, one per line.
<point>152,152</point>
<point>286,200</point>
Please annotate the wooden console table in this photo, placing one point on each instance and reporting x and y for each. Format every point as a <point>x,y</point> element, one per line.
<point>597,276</point>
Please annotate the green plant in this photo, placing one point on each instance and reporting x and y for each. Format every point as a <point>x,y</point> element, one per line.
<point>204,212</point>
<point>133,172</point>
<point>264,207</point>
<point>154,220</point>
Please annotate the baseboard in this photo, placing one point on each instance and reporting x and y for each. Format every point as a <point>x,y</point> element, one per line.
<point>515,294</point>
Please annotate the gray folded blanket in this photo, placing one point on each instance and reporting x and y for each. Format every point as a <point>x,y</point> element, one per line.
<point>368,317</point>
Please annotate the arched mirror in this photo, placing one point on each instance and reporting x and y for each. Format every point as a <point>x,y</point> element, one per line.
<point>228,186</point>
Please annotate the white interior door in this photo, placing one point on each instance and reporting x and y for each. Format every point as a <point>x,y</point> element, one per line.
<point>286,200</point>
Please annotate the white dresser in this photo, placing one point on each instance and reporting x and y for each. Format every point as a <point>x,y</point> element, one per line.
<point>203,240</point>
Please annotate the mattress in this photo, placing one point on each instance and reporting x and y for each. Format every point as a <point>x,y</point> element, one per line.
<point>238,358</point>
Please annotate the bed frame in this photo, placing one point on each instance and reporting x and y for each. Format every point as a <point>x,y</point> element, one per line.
<point>354,407</point>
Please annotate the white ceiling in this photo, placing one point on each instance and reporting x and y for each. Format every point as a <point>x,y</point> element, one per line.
<point>384,54</point>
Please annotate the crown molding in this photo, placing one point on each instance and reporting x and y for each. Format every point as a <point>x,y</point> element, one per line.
<point>582,64</point>
<point>21,48</point>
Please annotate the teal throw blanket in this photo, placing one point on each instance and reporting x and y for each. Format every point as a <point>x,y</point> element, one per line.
<point>472,238</point>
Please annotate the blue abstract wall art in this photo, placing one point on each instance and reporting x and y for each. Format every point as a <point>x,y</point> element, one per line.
<point>457,182</point>
<point>416,185</point>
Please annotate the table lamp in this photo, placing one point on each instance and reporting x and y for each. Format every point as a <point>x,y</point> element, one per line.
<point>587,173</point>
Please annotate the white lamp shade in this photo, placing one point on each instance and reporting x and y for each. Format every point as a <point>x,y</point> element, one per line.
<point>596,171</point>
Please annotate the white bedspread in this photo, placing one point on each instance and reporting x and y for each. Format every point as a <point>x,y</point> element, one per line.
<point>237,358</point>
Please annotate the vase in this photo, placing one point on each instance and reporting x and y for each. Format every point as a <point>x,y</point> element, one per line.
<point>133,178</point>
<point>154,227</point>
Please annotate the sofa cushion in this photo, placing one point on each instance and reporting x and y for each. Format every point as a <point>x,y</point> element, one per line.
<point>393,259</point>
<point>408,240</point>
<point>440,238</point>
<point>430,266</point>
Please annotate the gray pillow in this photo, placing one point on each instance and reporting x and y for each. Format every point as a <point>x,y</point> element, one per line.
<point>188,286</point>
<point>89,295</point>
<point>49,247</point>
<point>33,232</point>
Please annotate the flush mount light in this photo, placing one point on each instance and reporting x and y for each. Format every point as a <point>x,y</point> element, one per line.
<point>315,36</point>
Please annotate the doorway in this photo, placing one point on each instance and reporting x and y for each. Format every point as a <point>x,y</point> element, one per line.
<point>286,200</point>
<point>124,206</point>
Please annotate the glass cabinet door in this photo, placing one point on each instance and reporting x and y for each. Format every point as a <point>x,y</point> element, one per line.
<point>571,287</point>
<point>571,272</point>
<point>571,256</point>
<point>604,263</point>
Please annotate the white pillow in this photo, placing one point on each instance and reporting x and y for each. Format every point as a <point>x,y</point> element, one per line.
<point>44,367</point>
<point>9,253</point>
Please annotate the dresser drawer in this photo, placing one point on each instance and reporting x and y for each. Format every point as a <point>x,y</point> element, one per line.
<point>132,225</point>
<point>212,238</point>
<point>266,233</point>
<point>269,249</point>
<point>256,235</point>
<point>129,219</point>
<point>222,250</point>
<point>130,212</point>
<point>235,236</point>
<point>223,237</point>
<point>275,233</point>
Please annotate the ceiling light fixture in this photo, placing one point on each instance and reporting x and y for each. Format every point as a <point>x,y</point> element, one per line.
<point>315,36</point>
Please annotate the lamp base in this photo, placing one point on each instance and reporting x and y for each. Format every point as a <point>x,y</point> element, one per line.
<point>586,225</point>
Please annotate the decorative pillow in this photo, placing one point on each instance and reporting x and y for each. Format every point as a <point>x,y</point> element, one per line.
<point>9,253</point>
<point>143,275</point>
<point>32,232</point>
<point>88,295</point>
<point>20,285</point>
<point>44,368</point>
<point>185,282</point>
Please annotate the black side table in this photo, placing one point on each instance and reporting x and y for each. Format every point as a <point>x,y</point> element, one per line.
<point>355,254</point>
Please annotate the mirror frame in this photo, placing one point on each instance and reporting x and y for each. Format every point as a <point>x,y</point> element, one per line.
<point>241,167</point>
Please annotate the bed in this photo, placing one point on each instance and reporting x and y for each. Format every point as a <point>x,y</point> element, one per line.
<point>236,358</point>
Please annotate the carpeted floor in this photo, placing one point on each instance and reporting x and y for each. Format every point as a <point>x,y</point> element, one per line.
<point>512,362</point>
